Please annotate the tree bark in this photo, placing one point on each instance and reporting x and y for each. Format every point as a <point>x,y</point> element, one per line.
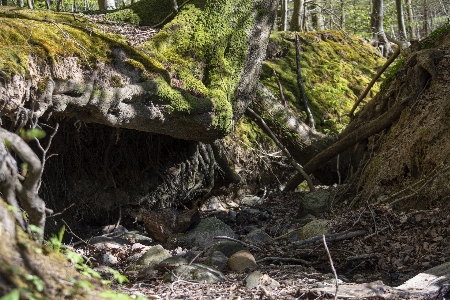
<point>317,16</point>
<point>106,4</point>
<point>346,142</point>
<point>425,18</point>
<point>379,36</point>
<point>284,15</point>
<point>410,15</point>
<point>297,16</point>
<point>400,21</point>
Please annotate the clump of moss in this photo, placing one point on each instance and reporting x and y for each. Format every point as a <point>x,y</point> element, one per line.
<point>335,70</point>
<point>124,16</point>
<point>204,48</point>
<point>115,81</point>
<point>435,35</point>
<point>391,72</point>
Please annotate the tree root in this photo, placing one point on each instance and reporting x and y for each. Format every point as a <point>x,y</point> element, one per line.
<point>10,185</point>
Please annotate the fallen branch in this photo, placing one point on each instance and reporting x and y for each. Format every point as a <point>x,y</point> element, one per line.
<point>374,79</point>
<point>334,237</point>
<point>346,142</point>
<point>266,129</point>
<point>238,241</point>
<point>331,265</point>
<point>280,88</point>
<point>300,82</point>
<point>285,259</point>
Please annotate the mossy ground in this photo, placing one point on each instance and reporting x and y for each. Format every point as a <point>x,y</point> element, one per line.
<point>336,68</point>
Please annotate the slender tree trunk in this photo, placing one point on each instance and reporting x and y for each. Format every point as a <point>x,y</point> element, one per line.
<point>425,18</point>
<point>411,29</point>
<point>379,36</point>
<point>106,4</point>
<point>30,4</point>
<point>4,2</point>
<point>317,16</point>
<point>400,21</point>
<point>342,18</point>
<point>284,15</point>
<point>297,16</point>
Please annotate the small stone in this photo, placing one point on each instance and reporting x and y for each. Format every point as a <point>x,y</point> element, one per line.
<point>252,279</point>
<point>153,256</point>
<point>217,260</point>
<point>109,259</point>
<point>241,261</point>
<point>257,236</point>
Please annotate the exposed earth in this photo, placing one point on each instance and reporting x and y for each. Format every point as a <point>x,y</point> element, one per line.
<point>394,248</point>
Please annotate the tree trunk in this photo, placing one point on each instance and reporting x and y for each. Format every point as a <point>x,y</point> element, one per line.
<point>106,4</point>
<point>317,16</point>
<point>4,2</point>
<point>411,27</point>
<point>425,18</point>
<point>379,36</point>
<point>297,16</point>
<point>400,21</point>
<point>284,15</point>
<point>300,140</point>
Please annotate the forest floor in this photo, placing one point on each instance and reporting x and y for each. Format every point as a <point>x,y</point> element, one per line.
<point>396,247</point>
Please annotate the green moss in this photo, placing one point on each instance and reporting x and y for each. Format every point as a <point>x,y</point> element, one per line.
<point>204,48</point>
<point>392,71</point>
<point>196,57</point>
<point>124,16</point>
<point>335,69</point>
<point>435,35</point>
<point>115,81</point>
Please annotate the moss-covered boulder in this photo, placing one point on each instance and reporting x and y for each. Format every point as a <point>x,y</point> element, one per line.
<point>192,80</point>
<point>336,67</point>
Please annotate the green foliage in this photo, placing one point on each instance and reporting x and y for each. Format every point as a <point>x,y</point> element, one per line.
<point>13,295</point>
<point>81,286</point>
<point>117,276</point>
<point>32,134</point>
<point>56,240</point>
<point>37,282</point>
<point>35,229</point>
<point>119,296</point>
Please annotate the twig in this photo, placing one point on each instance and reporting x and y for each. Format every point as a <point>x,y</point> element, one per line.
<point>376,232</point>
<point>332,265</point>
<point>285,259</point>
<point>300,83</point>
<point>61,212</point>
<point>296,165</point>
<point>222,237</point>
<point>286,234</point>
<point>44,151</point>
<point>72,233</point>
<point>280,87</point>
<point>363,256</point>
<point>374,79</point>
<point>420,188</point>
<point>334,237</point>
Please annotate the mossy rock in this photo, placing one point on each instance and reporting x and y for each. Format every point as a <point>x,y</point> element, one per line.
<point>336,67</point>
<point>192,67</point>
